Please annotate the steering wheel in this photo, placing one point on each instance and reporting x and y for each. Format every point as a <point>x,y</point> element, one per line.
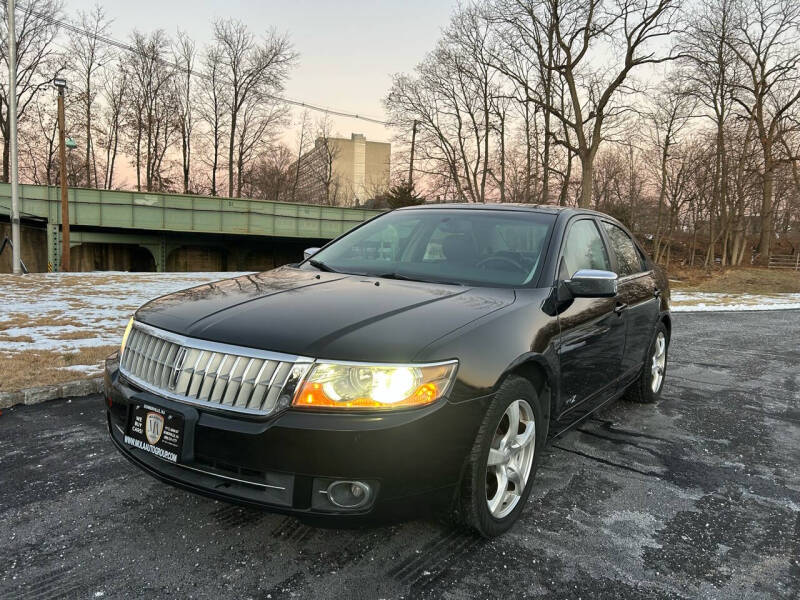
<point>503,259</point>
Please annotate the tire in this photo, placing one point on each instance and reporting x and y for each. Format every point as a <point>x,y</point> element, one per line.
<point>478,481</point>
<point>642,390</point>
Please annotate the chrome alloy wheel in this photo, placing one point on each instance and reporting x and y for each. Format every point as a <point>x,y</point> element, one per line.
<point>659,361</point>
<point>510,458</point>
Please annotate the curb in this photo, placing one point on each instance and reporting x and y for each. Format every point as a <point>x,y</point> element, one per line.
<point>36,395</point>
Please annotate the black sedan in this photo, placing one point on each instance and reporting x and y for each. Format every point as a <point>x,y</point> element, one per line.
<point>421,360</point>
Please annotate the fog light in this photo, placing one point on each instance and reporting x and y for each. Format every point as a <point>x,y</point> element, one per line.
<point>349,494</point>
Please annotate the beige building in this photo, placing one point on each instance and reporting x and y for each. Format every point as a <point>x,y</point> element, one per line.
<point>343,172</point>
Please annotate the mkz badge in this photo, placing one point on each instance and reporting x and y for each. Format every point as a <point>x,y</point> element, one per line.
<point>154,427</point>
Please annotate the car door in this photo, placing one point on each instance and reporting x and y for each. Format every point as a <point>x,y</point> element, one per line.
<point>637,297</point>
<point>592,334</point>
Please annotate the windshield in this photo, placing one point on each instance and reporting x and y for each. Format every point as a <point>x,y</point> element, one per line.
<point>465,246</point>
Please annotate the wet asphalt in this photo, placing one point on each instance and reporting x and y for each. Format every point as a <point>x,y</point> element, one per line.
<point>696,497</point>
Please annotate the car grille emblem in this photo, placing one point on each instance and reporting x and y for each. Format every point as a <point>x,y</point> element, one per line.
<point>177,368</point>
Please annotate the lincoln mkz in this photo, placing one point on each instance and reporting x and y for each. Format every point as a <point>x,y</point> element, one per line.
<point>421,360</point>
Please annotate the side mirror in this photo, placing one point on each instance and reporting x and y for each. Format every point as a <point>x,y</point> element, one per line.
<point>588,283</point>
<point>309,252</point>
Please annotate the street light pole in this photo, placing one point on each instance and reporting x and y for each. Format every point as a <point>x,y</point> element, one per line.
<point>61,85</point>
<point>16,263</point>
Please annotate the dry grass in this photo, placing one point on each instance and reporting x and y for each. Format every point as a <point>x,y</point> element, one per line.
<point>48,320</point>
<point>743,280</point>
<point>16,320</point>
<point>44,367</point>
<point>15,338</point>
<point>83,334</point>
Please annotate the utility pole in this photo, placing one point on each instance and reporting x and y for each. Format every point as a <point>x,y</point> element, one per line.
<point>411,162</point>
<point>16,262</point>
<point>61,85</point>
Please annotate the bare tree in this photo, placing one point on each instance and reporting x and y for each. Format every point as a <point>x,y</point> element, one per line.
<point>303,137</point>
<point>185,54</point>
<point>253,71</point>
<point>672,109</point>
<point>765,42</point>
<point>271,176</point>
<point>450,97</point>
<point>321,164</point>
<point>212,107</point>
<point>629,34</point>
<point>38,160</point>
<point>154,106</point>
<point>530,66</point>
<point>38,60</point>
<point>257,121</point>
<point>87,54</point>
<point>114,95</point>
<point>711,75</point>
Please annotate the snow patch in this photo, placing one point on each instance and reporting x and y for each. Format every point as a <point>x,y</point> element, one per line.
<point>64,312</point>
<point>708,302</point>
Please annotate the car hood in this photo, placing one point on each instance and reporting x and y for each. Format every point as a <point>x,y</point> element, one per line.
<point>323,315</point>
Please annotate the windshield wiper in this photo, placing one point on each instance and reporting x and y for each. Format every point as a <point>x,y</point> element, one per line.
<point>400,276</point>
<point>322,266</point>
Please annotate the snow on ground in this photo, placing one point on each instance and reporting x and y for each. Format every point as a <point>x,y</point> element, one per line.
<point>707,301</point>
<point>65,312</point>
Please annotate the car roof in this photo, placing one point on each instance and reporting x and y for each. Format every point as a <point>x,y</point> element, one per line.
<point>506,206</point>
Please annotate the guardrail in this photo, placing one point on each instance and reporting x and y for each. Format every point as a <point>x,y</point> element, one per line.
<point>785,261</point>
<point>179,213</point>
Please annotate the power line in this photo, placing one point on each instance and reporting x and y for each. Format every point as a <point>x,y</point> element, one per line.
<point>128,48</point>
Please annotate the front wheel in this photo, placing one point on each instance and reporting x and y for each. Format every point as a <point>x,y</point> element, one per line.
<point>503,461</point>
<point>647,388</point>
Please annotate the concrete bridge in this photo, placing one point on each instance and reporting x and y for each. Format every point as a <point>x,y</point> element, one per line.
<point>139,231</point>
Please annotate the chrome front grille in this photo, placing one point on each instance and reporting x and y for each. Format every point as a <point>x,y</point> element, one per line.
<point>216,375</point>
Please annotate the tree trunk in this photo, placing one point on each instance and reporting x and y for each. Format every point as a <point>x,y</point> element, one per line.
<point>6,150</point>
<point>587,172</point>
<point>230,153</point>
<point>562,196</point>
<point>139,160</point>
<point>186,147</point>
<point>765,240</point>
<point>89,128</point>
<point>502,159</point>
<point>215,161</point>
<point>527,195</point>
<point>6,159</point>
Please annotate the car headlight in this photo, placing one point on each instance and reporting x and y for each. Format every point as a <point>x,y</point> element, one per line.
<point>125,337</point>
<point>354,386</point>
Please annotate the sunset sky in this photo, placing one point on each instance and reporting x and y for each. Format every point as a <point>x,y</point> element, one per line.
<point>348,49</point>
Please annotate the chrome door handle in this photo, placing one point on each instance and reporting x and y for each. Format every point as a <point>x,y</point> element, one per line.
<point>657,293</point>
<point>620,307</point>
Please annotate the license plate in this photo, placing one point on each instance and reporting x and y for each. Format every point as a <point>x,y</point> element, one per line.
<point>155,430</point>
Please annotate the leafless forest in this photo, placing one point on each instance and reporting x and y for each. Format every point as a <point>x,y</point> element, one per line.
<point>679,117</point>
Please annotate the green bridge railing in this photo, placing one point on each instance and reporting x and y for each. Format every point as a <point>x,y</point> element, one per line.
<point>179,213</point>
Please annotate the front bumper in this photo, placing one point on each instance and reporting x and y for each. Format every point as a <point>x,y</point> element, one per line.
<point>411,459</point>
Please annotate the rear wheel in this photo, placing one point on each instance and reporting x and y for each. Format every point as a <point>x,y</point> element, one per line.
<point>502,464</point>
<point>647,388</point>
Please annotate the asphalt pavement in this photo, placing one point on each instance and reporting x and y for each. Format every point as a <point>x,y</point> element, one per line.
<point>695,497</point>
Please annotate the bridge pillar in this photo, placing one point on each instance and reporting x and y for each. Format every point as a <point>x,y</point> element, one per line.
<point>161,260</point>
<point>53,247</point>
<point>155,250</point>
